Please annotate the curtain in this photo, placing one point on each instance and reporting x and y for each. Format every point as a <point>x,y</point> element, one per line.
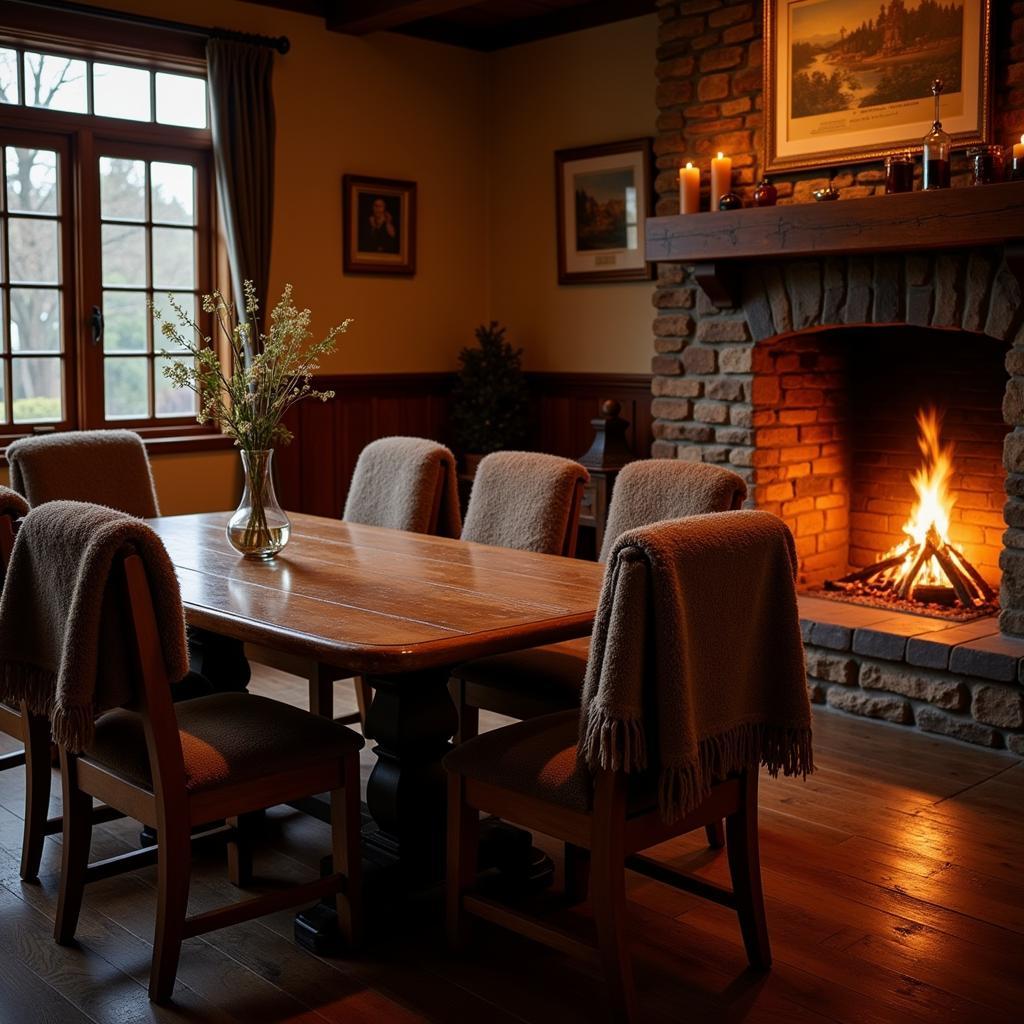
<point>242,121</point>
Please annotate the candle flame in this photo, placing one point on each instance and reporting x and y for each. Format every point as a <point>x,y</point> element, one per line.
<point>689,163</point>
<point>1022,140</point>
<point>720,155</point>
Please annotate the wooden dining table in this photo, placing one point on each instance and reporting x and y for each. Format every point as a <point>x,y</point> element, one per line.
<point>401,610</point>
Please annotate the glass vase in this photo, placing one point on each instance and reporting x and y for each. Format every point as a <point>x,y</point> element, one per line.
<point>260,527</point>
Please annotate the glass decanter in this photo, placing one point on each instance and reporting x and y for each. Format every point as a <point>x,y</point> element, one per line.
<point>937,146</point>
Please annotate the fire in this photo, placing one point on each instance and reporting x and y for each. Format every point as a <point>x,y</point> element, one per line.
<point>925,568</point>
<point>933,508</point>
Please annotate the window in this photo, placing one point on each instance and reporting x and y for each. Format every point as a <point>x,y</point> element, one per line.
<point>106,205</point>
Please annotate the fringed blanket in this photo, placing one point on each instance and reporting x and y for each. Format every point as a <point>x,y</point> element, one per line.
<point>523,500</point>
<point>696,668</point>
<point>108,467</point>
<point>652,490</point>
<point>395,485</point>
<point>63,643</point>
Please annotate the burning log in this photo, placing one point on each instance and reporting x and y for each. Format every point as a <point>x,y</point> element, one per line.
<point>926,567</point>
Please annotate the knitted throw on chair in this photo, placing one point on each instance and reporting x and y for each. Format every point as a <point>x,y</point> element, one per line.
<point>395,485</point>
<point>696,666</point>
<point>63,626</point>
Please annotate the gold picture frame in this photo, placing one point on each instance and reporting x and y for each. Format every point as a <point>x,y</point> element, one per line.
<point>844,66</point>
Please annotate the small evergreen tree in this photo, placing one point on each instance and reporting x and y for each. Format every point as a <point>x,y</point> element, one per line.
<point>491,401</point>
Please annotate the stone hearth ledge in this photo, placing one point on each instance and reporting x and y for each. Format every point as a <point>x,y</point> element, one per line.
<point>961,680</point>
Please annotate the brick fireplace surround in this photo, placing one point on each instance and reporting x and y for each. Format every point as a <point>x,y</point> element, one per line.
<point>765,386</point>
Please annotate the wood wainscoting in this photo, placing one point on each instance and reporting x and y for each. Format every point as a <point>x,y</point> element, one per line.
<point>315,469</point>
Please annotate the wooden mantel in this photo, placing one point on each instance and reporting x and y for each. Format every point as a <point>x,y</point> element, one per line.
<point>976,217</point>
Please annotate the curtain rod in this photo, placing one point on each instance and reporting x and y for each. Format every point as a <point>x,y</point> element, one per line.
<point>282,44</point>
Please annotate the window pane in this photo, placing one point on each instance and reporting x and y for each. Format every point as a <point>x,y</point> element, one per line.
<point>173,193</point>
<point>31,180</point>
<point>124,322</point>
<point>118,91</point>
<point>37,391</point>
<point>3,401</point>
<point>35,320</point>
<point>171,401</point>
<point>124,255</point>
<point>126,395</point>
<point>55,82</point>
<point>180,99</point>
<point>174,261</point>
<point>188,304</point>
<point>122,189</point>
<point>34,250</point>
<point>9,79</point>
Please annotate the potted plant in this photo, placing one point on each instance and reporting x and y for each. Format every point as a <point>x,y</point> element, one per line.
<point>491,398</point>
<point>268,373</point>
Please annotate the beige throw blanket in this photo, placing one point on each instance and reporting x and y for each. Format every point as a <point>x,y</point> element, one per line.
<point>63,634</point>
<point>395,485</point>
<point>523,500</point>
<point>12,503</point>
<point>651,490</point>
<point>108,467</point>
<point>696,665</point>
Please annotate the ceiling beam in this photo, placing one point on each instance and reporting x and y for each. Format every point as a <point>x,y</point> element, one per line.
<point>357,17</point>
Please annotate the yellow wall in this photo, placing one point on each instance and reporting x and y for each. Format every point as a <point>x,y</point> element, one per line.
<point>477,133</point>
<point>573,90</point>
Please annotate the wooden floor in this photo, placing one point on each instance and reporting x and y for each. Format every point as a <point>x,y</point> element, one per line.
<point>894,886</point>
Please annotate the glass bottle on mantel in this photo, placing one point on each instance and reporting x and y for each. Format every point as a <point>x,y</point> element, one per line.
<point>937,145</point>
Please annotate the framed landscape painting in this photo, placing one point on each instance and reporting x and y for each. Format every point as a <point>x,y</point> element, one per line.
<point>603,196</point>
<point>851,80</point>
<point>379,225</point>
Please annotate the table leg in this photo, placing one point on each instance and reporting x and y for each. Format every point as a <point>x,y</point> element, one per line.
<point>412,719</point>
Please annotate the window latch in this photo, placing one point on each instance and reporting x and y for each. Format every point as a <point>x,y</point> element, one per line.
<point>96,325</point>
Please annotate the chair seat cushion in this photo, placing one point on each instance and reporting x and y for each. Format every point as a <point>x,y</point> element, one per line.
<point>552,674</point>
<point>225,738</point>
<point>538,758</point>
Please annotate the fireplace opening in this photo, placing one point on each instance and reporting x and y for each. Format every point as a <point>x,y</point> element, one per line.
<point>840,440</point>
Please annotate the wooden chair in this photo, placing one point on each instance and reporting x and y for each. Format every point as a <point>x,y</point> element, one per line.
<point>417,478</point>
<point>174,767</point>
<point>641,773</point>
<point>543,680</point>
<point>610,830</point>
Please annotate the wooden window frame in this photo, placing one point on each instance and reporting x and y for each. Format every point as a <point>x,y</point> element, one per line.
<point>84,138</point>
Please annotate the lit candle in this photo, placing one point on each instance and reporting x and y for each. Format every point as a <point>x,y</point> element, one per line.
<point>1018,149</point>
<point>721,178</point>
<point>689,189</point>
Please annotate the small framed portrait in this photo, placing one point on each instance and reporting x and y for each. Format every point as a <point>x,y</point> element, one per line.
<point>379,223</point>
<point>603,196</point>
<point>849,80</point>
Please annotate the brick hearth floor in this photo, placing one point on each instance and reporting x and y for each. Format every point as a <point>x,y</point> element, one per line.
<point>893,887</point>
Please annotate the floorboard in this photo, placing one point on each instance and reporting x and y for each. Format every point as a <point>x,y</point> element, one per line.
<point>892,880</point>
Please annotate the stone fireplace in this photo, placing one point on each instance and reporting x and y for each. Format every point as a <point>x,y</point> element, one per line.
<point>800,362</point>
<point>804,375</point>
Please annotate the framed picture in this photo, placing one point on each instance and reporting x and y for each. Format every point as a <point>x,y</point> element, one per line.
<point>379,223</point>
<point>603,196</point>
<point>849,80</point>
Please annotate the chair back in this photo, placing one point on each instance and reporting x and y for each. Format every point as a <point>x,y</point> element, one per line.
<point>652,490</point>
<point>526,500</point>
<point>405,483</point>
<point>12,507</point>
<point>103,467</point>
